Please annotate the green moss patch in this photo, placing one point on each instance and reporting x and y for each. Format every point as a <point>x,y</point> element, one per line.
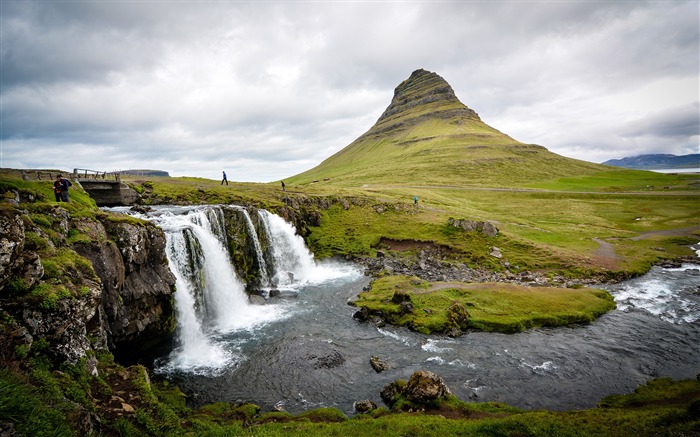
<point>451,308</point>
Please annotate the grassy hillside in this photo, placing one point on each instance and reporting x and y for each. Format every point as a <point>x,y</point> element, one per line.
<point>428,137</point>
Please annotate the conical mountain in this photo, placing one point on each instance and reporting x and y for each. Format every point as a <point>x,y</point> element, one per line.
<point>428,137</point>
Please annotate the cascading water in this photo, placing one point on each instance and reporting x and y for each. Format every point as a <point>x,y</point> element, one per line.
<point>213,310</point>
<point>262,265</point>
<point>292,260</point>
<point>210,298</point>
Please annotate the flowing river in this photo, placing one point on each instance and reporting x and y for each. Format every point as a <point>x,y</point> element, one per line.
<point>302,349</point>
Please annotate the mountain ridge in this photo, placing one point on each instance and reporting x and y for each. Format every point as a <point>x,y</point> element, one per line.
<point>428,136</point>
<point>657,161</point>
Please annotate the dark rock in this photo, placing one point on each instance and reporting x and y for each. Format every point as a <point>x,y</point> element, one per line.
<point>142,209</point>
<point>365,406</point>
<point>378,364</point>
<point>422,390</point>
<point>328,361</point>
<point>424,387</point>
<point>362,314</point>
<point>406,308</point>
<point>400,296</point>
<point>392,392</point>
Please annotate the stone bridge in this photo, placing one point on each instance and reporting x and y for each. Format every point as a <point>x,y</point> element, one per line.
<point>106,188</point>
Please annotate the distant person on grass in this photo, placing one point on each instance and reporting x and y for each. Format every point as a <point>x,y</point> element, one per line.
<point>415,200</point>
<point>283,188</point>
<point>60,188</point>
<point>224,179</point>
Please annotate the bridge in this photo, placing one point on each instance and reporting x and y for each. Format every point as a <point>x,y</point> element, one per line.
<point>106,188</point>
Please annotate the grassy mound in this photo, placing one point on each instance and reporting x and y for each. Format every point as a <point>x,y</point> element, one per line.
<point>454,307</point>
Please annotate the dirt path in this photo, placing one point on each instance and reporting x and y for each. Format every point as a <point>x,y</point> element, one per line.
<point>689,192</point>
<point>681,232</point>
<point>606,252</point>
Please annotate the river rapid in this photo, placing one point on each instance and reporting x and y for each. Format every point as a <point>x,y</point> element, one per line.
<point>302,349</point>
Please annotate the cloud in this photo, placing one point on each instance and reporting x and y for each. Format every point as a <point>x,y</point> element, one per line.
<point>271,89</point>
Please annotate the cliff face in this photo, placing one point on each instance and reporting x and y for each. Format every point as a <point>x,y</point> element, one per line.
<point>137,285</point>
<point>81,283</point>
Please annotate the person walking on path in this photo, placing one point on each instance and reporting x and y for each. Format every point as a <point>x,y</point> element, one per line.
<point>224,179</point>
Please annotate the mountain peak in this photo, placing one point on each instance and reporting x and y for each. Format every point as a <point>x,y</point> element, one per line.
<point>426,136</point>
<point>425,89</point>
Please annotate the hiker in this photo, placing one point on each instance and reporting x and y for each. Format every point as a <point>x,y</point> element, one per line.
<point>57,185</point>
<point>283,189</point>
<point>60,188</point>
<point>224,179</point>
<point>415,200</point>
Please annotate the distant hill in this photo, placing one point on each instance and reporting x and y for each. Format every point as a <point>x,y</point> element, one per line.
<point>426,136</point>
<point>159,173</point>
<point>658,161</point>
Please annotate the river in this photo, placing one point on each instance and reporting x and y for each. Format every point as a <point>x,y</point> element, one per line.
<point>302,349</point>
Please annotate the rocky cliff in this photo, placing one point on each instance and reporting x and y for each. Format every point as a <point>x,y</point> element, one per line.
<point>76,279</point>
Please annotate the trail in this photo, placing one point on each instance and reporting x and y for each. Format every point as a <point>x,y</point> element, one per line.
<point>535,190</point>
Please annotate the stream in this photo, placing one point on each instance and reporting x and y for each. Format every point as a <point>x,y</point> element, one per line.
<point>302,349</point>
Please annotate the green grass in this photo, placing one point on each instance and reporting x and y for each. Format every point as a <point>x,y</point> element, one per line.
<point>440,307</point>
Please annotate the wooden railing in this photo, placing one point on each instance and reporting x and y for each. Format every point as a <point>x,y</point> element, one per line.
<point>85,174</point>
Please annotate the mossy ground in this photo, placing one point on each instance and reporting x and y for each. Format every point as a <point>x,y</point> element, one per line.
<point>544,230</point>
<point>45,402</point>
<point>439,307</point>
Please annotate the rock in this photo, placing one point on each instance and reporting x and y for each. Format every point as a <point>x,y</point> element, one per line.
<point>365,406</point>
<point>256,299</point>
<point>378,364</point>
<point>361,315</point>
<point>406,308</point>
<point>392,392</point>
<point>400,297</point>
<point>421,391</point>
<point>142,209</point>
<point>127,408</point>
<point>424,387</point>
<point>486,228</point>
<point>330,360</point>
<point>496,252</point>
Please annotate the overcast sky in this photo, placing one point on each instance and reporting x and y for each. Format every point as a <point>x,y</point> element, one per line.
<point>266,90</point>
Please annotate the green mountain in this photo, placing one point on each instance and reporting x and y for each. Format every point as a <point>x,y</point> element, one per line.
<point>428,137</point>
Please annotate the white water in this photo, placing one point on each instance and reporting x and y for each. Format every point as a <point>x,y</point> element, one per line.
<point>211,302</point>
<point>662,294</point>
<point>210,298</point>
<point>293,261</point>
<point>264,276</point>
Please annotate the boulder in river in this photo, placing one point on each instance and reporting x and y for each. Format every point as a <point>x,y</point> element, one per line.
<point>422,390</point>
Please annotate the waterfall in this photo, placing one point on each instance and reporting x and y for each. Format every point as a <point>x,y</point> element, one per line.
<point>209,296</point>
<point>292,260</point>
<point>262,265</point>
<point>211,302</point>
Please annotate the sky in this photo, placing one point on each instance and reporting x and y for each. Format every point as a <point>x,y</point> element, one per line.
<point>266,90</point>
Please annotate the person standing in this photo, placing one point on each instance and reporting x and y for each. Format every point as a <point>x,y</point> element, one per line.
<point>224,179</point>
<point>415,200</point>
<point>57,186</point>
<point>283,188</point>
<point>60,188</point>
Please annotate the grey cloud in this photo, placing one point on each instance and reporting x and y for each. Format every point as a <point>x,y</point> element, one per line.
<point>284,85</point>
<point>680,121</point>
